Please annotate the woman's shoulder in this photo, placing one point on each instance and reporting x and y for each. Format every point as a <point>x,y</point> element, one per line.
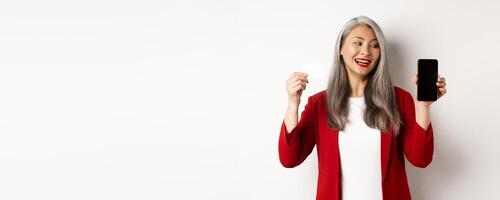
<point>403,98</point>
<point>318,96</point>
<point>399,90</point>
<point>317,101</point>
<point>401,93</point>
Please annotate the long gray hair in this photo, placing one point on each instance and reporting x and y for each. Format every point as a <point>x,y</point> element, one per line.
<point>381,111</point>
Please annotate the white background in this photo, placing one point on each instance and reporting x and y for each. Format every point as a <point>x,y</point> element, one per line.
<point>184,99</point>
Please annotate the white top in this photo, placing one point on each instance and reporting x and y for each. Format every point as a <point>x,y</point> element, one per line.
<point>360,162</point>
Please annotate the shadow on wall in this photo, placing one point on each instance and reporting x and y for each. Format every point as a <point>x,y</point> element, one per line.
<point>447,164</point>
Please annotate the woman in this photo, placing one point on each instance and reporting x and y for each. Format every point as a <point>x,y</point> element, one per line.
<point>362,125</point>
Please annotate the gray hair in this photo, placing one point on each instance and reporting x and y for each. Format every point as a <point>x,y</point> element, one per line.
<point>381,111</point>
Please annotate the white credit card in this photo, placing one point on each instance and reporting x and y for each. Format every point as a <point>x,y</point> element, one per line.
<point>317,72</point>
<point>318,77</point>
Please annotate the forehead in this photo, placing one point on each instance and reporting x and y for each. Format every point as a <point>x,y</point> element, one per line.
<point>362,32</point>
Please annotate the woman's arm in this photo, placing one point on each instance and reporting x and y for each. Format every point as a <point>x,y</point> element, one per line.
<point>418,141</point>
<point>422,115</point>
<point>297,139</point>
<point>291,116</point>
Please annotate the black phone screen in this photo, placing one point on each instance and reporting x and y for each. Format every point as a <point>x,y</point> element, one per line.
<point>427,78</point>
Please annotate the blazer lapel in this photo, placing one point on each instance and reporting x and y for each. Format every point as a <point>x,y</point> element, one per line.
<point>385,154</point>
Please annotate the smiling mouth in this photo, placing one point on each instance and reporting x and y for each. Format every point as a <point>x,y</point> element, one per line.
<point>362,62</point>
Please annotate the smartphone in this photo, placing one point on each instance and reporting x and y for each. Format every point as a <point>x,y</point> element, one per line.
<point>427,77</point>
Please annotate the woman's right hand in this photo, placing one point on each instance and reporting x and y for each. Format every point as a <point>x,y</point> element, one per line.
<point>295,84</point>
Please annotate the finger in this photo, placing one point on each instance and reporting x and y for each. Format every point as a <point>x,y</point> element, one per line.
<point>441,78</point>
<point>303,77</point>
<point>294,79</point>
<point>298,88</point>
<point>297,74</point>
<point>298,83</point>
<point>442,91</point>
<point>299,77</point>
<point>300,73</point>
<point>293,85</point>
<point>441,84</point>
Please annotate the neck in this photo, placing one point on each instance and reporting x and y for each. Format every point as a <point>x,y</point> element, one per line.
<point>357,86</point>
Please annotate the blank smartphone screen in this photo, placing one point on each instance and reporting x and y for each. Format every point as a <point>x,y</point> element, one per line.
<point>427,78</point>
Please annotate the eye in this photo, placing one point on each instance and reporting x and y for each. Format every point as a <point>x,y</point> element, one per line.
<point>357,43</point>
<point>375,46</point>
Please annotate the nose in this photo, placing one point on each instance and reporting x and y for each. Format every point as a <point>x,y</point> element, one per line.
<point>365,51</point>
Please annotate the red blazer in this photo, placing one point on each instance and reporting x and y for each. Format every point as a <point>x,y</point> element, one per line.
<point>312,129</point>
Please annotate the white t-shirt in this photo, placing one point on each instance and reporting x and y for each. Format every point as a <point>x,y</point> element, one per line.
<point>359,147</point>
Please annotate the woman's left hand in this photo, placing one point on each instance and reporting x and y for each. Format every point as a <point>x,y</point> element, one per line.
<point>441,85</point>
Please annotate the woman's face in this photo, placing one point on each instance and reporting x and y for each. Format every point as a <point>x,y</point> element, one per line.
<point>360,51</point>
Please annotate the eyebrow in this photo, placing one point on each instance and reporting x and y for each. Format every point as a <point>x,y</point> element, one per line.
<point>364,38</point>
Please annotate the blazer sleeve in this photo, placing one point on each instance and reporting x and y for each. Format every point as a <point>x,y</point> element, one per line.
<point>294,147</point>
<point>418,144</point>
